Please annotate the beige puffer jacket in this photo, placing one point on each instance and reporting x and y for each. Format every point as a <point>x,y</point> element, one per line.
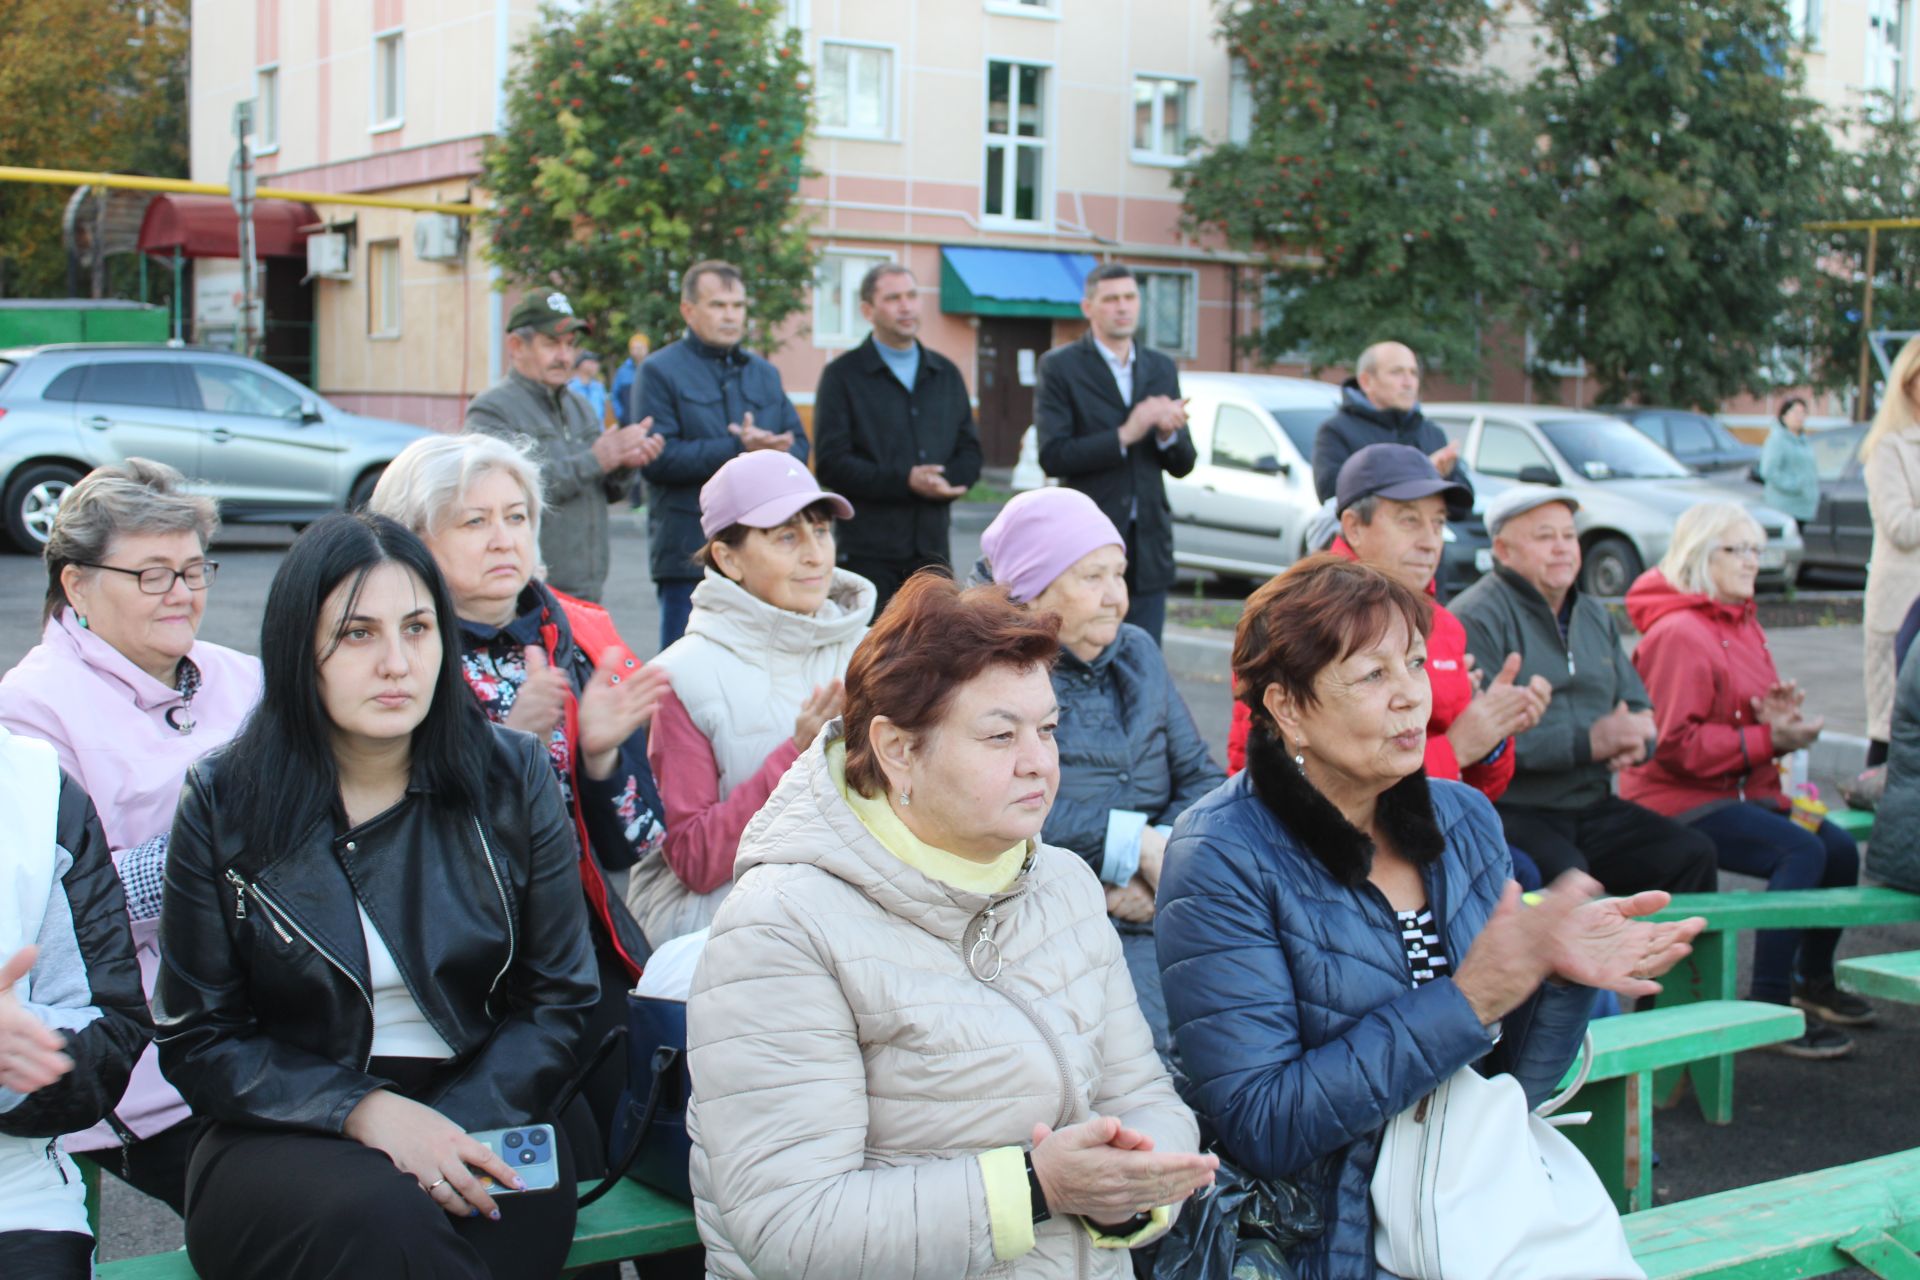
<point>849,1062</point>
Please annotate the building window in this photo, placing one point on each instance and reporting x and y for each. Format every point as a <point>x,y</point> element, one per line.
<point>1167,310</point>
<point>797,15</point>
<point>1025,8</point>
<point>1016,142</point>
<point>1808,18</point>
<point>1887,49</point>
<point>1239,103</point>
<point>1163,119</point>
<point>836,298</point>
<point>389,80</point>
<point>383,289</point>
<point>1276,295</point>
<point>266,110</point>
<point>853,86</point>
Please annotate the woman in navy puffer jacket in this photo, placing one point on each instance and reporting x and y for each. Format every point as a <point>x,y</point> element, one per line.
<point>1338,936</point>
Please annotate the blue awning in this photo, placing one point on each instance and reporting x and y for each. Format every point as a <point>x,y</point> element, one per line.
<point>1012,282</point>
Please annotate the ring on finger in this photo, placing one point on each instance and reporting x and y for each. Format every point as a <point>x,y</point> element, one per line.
<point>435,1185</point>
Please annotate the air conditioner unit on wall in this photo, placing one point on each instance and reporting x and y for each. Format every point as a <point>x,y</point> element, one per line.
<point>439,237</point>
<point>327,256</point>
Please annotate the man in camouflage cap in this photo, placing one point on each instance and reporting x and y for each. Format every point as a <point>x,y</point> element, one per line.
<point>582,468</point>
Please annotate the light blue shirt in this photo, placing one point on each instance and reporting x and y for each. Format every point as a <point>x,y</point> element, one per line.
<point>594,393</point>
<point>905,364</point>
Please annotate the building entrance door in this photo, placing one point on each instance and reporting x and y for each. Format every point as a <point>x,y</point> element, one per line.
<point>1010,351</point>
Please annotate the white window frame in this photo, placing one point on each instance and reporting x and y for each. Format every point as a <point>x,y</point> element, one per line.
<point>1190,288</point>
<point>852,266</point>
<point>1886,69</point>
<point>1239,101</point>
<point>376,279</point>
<point>1162,159</point>
<point>266,109</point>
<point>889,130</point>
<point>1046,10</point>
<point>397,36</point>
<point>1011,143</point>
<point>1808,19</point>
<point>799,14</point>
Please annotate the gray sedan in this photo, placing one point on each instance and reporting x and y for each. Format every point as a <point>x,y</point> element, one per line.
<point>268,449</point>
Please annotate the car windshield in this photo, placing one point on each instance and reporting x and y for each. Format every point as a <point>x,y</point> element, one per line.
<point>6,371</point>
<point>1609,449</point>
<point>1301,425</point>
<point>1833,450</point>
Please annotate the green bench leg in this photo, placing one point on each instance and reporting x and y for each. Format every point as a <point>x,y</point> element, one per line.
<point>1881,1254</point>
<point>1603,1140</point>
<point>1708,974</point>
<point>90,1178</point>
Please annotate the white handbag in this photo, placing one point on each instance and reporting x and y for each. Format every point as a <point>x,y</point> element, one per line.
<point>1470,1185</point>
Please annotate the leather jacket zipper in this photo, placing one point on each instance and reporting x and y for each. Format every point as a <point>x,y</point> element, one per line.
<point>241,887</point>
<point>53,1158</point>
<point>506,909</point>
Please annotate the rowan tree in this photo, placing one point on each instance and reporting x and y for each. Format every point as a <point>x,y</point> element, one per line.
<point>642,136</point>
<point>1682,160</point>
<point>1383,184</point>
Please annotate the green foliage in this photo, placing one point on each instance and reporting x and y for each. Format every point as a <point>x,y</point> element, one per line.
<point>641,137</point>
<point>1881,179</point>
<point>98,86</point>
<point>1682,160</point>
<point>1384,186</point>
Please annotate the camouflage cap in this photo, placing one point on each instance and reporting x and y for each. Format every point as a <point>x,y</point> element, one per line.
<point>548,313</point>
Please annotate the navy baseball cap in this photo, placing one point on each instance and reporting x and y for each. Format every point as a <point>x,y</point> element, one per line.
<point>1398,472</point>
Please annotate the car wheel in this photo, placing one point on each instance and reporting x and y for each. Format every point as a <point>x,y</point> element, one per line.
<point>363,490</point>
<point>1608,567</point>
<point>33,499</point>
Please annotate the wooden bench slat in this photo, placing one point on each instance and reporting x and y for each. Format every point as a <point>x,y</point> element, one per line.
<point>1857,823</point>
<point>630,1221</point>
<point>1777,1230</point>
<point>1676,1034</point>
<point>1796,908</point>
<point>1891,977</point>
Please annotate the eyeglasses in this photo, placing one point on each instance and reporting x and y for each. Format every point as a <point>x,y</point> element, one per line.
<point>1741,550</point>
<point>158,579</point>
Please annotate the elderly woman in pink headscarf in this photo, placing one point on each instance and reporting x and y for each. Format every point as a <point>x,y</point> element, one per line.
<point>1131,760</point>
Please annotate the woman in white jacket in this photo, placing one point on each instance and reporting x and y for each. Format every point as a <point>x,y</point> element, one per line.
<point>754,677</point>
<point>1891,457</point>
<point>913,1038</point>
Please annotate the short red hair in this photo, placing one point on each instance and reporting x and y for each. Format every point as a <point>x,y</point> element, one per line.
<point>933,638</point>
<point>1321,610</point>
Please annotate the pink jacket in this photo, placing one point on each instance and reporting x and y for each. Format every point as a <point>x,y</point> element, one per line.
<point>107,719</point>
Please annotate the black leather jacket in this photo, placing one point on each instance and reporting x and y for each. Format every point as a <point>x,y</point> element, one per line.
<point>263,1007</point>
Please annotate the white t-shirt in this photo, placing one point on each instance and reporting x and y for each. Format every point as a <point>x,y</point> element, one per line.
<point>400,1030</point>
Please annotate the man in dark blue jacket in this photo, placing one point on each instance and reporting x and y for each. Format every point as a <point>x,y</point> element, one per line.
<point>710,399</point>
<point>1380,404</point>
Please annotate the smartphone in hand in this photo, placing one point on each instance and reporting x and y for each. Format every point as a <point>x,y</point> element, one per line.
<point>527,1149</point>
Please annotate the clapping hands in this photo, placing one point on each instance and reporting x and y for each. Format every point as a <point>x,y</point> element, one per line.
<point>1780,710</point>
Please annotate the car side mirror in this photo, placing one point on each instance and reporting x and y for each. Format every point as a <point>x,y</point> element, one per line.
<point>1538,474</point>
<point>310,411</point>
<point>1268,465</point>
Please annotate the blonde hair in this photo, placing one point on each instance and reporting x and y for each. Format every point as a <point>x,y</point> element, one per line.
<point>1696,534</point>
<point>1896,405</point>
<point>421,486</point>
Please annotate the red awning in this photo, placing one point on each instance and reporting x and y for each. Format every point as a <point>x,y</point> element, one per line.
<point>207,227</point>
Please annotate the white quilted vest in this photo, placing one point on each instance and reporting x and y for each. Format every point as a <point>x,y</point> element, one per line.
<point>742,671</point>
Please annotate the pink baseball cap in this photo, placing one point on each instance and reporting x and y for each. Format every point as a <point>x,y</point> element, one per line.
<point>762,490</point>
<point>1042,533</point>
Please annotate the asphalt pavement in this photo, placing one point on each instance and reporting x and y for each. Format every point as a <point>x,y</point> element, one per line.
<point>1790,1116</point>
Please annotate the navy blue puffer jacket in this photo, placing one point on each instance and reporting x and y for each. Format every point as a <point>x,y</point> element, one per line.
<point>1289,993</point>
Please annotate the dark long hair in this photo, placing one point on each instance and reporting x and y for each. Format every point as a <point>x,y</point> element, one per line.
<point>282,765</point>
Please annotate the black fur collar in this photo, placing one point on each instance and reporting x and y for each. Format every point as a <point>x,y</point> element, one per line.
<point>1405,810</point>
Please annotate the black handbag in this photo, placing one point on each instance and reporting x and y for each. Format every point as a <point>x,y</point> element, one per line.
<point>649,1142</point>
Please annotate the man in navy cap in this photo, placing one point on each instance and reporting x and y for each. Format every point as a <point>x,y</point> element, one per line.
<point>1392,503</point>
<point>582,468</point>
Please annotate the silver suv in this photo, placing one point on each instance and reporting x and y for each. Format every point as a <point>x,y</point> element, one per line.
<point>269,450</point>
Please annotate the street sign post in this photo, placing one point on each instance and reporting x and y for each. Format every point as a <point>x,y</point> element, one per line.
<point>241,184</point>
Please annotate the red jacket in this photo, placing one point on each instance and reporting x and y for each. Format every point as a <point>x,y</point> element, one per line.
<point>1452,691</point>
<point>1703,663</point>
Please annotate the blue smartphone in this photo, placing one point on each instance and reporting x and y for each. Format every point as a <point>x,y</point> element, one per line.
<point>527,1149</point>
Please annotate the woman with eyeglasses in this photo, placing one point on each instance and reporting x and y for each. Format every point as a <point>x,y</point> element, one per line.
<point>1725,720</point>
<point>129,697</point>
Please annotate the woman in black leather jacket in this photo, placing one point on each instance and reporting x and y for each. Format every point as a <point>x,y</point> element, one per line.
<point>372,943</point>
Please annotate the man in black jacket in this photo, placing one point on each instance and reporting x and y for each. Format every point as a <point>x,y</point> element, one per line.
<point>893,431</point>
<point>1110,421</point>
<point>1380,404</point>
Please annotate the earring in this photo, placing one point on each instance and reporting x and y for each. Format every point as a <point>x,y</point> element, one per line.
<point>83,621</point>
<point>906,797</point>
<point>1300,762</point>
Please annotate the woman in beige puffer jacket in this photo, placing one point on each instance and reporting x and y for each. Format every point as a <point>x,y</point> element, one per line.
<point>1890,455</point>
<point>866,1040</point>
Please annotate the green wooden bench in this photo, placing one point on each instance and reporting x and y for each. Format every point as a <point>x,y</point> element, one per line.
<point>1893,977</point>
<point>1627,1050</point>
<point>1857,823</point>
<point>1710,972</point>
<point>1857,1215</point>
<point>630,1221</point>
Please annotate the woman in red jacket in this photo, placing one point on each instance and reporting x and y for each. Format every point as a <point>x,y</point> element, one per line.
<point>1725,718</point>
